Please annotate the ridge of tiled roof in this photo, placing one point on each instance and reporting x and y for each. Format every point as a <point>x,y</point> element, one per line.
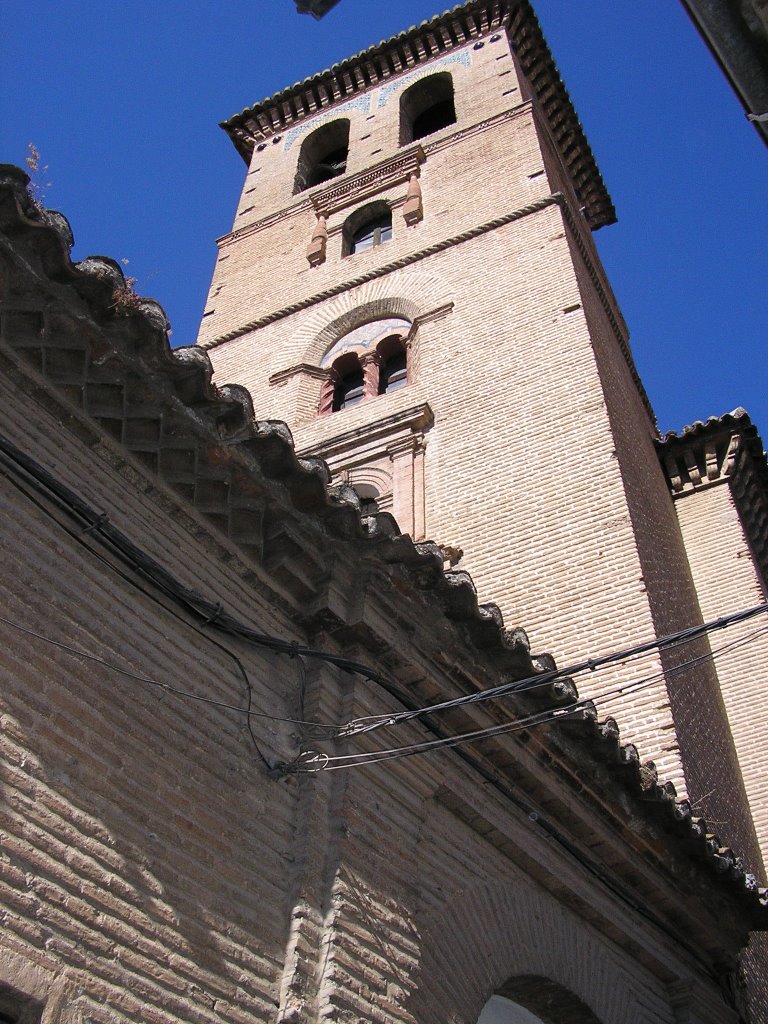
<point>738,419</point>
<point>432,38</point>
<point>133,338</point>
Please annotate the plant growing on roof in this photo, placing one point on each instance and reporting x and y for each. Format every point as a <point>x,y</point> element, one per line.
<point>38,171</point>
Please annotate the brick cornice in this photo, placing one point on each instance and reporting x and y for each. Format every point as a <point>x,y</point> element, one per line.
<point>705,453</point>
<point>358,187</point>
<point>353,188</point>
<point>415,418</point>
<point>303,369</point>
<point>387,268</point>
<point>422,45</point>
<point>575,223</point>
<point>725,449</point>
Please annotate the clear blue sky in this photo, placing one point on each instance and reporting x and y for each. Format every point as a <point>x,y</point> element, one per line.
<point>124,99</point>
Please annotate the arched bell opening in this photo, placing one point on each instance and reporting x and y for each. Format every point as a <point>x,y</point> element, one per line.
<point>323,155</point>
<point>426,107</point>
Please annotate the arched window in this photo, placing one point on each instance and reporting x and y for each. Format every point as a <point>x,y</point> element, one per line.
<point>367,227</point>
<point>393,368</point>
<point>499,1010</point>
<point>426,108</point>
<point>369,360</point>
<point>530,999</point>
<point>18,1008</point>
<point>369,503</point>
<point>350,382</point>
<point>323,155</point>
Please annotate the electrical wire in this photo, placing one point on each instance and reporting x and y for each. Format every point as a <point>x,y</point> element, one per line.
<point>314,729</point>
<point>204,610</point>
<point>213,615</point>
<point>313,761</point>
<point>168,687</point>
<point>664,643</point>
<point>541,823</point>
<point>18,464</point>
<point>540,718</point>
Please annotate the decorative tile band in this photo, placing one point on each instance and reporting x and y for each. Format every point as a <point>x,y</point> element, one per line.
<point>462,57</point>
<point>365,337</point>
<point>360,103</point>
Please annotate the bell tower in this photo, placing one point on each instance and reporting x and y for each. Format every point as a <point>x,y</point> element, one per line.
<point>411,284</point>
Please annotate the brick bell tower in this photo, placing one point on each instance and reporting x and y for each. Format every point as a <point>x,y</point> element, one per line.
<point>411,283</point>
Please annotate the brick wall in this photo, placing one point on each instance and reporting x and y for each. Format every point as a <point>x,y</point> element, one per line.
<point>277,242</point>
<point>152,870</point>
<point>138,881</point>
<point>717,474</point>
<point>725,579</point>
<point>540,464</point>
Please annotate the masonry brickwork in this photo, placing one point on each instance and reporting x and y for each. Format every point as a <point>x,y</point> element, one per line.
<point>717,474</point>
<point>724,573</point>
<point>162,861</point>
<point>539,463</point>
<point>245,849</point>
<point>538,454</point>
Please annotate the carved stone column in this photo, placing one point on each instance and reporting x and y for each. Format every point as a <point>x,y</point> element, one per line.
<point>317,247</point>
<point>407,343</point>
<point>403,504</point>
<point>419,497</point>
<point>371,364</point>
<point>327,392</point>
<point>413,210</point>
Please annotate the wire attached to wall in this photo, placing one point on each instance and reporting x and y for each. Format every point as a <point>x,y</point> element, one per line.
<point>665,643</point>
<point>211,615</point>
<point>207,613</point>
<point>82,536</point>
<point>310,762</point>
<point>76,652</point>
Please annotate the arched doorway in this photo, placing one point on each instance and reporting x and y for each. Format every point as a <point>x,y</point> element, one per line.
<point>531,999</point>
<point>500,1010</point>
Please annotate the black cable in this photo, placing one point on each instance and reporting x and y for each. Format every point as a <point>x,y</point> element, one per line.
<point>212,614</point>
<point>328,762</point>
<point>319,730</point>
<point>203,609</point>
<point>492,776</point>
<point>664,643</point>
<point>95,522</point>
<point>150,681</point>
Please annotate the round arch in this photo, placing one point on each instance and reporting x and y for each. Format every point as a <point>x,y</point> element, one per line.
<point>415,293</point>
<point>367,338</point>
<point>396,308</point>
<point>530,999</point>
<point>511,939</point>
<point>323,154</point>
<point>373,477</point>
